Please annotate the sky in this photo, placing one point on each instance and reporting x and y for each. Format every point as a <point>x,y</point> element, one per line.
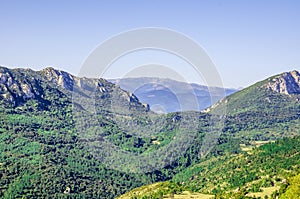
<point>247,40</point>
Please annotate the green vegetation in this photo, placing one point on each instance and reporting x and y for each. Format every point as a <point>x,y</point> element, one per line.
<point>46,140</point>
<point>238,176</point>
<point>292,189</point>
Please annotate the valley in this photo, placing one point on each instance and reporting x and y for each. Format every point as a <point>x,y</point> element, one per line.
<point>55,129</point>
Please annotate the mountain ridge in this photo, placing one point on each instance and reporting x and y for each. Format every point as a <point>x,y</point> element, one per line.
<point>286,83</point>
<point>19,85</point>
<point>48,138</point>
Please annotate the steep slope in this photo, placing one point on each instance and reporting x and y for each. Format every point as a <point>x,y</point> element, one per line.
<point>287,83</point>
<point>166,95</point>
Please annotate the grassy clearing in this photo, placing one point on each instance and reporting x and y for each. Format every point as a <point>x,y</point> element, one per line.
<point>266,192</point>
<point>187,194</point>
<point>153,188</point>
<point>141,190</point>
<point>246,148</point>
<point>253,144</point>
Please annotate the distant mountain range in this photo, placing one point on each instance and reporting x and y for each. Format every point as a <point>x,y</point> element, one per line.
<point>166,95</point>
<point>56,129</point>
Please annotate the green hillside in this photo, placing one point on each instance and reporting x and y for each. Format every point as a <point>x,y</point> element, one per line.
<point>238,176</point>
<point>44,154</point>
<point>236,168</point>
<point>259,113</point>
<point>53,125</point>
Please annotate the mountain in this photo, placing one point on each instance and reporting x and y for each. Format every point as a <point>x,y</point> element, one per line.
<point>60,133</point>
<point>265,110</point>
<point>20,85</point>
<point>69,137</point>
<point>248,160</point>
<point>166,95</point>
<point>42,152</point>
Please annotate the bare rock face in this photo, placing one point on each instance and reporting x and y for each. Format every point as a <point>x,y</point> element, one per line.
<point>11,89</point>
<point>17,86</point>
<point>286,83</point>
<point>61,78</point>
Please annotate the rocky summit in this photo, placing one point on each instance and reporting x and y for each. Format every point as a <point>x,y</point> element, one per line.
<point>286,83</point>
<point>17,86</point>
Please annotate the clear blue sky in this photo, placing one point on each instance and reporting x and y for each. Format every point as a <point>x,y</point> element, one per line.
<point>247,40</point>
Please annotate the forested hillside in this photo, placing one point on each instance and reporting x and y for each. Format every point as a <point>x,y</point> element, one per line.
<point>273,166</point>
<point>52,124</point>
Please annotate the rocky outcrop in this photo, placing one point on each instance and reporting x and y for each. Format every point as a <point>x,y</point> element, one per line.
<point>20,85</point>
<point>61,78</point>
<point>12,89</point>
<point>286,83</point>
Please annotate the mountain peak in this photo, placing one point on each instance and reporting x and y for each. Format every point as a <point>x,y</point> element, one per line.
<point>62,78</point>
<point>286,83</point>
